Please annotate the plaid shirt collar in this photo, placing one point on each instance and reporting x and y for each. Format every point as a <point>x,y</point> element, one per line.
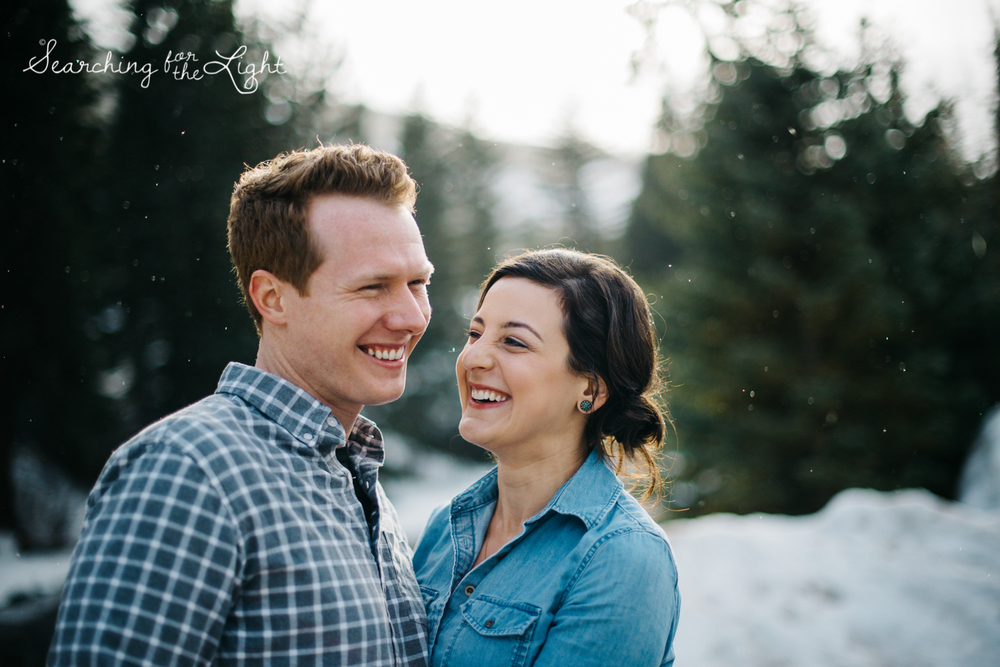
<point>305,417</point>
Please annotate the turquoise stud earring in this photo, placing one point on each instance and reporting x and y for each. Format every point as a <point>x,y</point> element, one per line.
<point>585,406</point>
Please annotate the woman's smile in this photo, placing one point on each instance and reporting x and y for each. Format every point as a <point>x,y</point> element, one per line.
<point>485,397</point>
<point>514,379</point>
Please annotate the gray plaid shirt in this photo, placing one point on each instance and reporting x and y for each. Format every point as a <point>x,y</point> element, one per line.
<point>229,534</point>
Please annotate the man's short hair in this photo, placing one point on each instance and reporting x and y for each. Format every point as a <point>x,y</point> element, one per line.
<point>268,228</point>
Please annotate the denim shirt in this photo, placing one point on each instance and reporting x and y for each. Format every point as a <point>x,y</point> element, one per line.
<point>589,580</point>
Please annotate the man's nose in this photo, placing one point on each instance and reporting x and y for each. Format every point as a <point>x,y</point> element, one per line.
<point>410,312</point>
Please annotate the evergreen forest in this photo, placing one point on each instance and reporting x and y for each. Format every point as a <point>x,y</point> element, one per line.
<point>824,271</point>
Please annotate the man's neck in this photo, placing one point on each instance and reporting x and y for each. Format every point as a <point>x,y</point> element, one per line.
<point>272,363</point>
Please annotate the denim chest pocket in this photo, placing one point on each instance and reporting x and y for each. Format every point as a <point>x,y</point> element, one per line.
<point>502,632</point>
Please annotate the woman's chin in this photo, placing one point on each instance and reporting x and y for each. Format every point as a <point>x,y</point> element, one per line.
<point>467,432</point>
<point>473,432</point>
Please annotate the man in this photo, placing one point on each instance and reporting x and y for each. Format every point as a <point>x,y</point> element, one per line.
<point>250,528</point>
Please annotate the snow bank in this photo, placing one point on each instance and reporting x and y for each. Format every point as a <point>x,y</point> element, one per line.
<point>34,576</point>
<point>874,579</point>
<point>980,482</point>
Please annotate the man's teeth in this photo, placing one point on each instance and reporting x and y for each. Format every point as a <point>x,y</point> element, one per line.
<point>387,355</point>
<point>483,395</point>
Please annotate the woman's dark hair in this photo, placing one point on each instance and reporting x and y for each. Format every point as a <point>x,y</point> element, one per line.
<point>609,327</point>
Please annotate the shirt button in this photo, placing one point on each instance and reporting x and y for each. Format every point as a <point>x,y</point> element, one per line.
<point>489,623</point>
<point>469,590</point>
<point>307,436</point>
<point>331,421</point>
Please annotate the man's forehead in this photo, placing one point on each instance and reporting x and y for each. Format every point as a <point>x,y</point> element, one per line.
<point>379,264</point>
<point>353,230</point>
<point>356,215</point>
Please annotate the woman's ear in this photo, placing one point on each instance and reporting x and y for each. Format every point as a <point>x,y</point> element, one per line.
<point>268,294</point>
<point>596,393</point>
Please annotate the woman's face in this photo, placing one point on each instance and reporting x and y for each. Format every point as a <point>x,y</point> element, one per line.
<point>518,394</point>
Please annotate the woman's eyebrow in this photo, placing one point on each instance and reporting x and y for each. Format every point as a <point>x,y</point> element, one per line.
<point>511,325</point>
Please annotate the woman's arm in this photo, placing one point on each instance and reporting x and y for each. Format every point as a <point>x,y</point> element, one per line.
<point>620,609</point>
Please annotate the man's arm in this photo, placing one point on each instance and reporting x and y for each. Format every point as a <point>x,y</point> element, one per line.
<point>154,574</point>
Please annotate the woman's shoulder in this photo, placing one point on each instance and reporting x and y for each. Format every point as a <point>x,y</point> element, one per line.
<point>631,549</point>
<point>628,527</point>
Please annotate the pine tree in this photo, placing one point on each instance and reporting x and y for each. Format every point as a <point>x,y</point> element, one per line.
<point>49,132</point>
<point>155,310</point>
<point>812,281</point>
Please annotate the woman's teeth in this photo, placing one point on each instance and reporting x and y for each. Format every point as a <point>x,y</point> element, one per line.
<point>492,396</point>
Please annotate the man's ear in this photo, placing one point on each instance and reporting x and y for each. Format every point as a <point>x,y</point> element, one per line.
<point>269,294</point>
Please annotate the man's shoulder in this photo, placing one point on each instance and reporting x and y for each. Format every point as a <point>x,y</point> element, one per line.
<point>215,418</point>
<point>216,425</point>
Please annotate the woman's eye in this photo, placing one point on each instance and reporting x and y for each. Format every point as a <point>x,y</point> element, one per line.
<point>472,334</point>
<point>513,342</point>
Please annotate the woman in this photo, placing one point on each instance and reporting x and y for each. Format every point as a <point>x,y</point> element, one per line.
<point>547,560</point>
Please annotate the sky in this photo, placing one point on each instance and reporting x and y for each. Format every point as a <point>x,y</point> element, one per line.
<point>526,71</point>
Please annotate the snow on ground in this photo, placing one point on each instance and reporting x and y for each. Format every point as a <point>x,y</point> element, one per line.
<point>873,580</point>
<point>29,576</point>
<point>979,485</point>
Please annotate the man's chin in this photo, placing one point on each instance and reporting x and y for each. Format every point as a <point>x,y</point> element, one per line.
<point>384,397</point>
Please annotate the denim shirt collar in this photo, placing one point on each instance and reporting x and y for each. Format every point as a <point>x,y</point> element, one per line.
<point>576,497</point>
<point>311,422</point>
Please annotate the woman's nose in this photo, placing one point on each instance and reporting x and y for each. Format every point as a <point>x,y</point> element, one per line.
<point>476,355</point>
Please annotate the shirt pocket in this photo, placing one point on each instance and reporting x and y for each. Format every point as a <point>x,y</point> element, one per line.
<point>503,630</point>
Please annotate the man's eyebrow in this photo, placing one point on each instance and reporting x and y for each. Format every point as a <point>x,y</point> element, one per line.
<point>425,273</point>
<point>512,325</point>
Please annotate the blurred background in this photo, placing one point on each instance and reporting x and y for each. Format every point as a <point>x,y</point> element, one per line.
<point>806,190</point>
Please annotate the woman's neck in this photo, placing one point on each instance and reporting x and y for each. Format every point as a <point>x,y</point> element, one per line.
<point>525,486</point>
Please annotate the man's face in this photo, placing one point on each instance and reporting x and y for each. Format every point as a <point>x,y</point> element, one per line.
<point>348,338</point>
